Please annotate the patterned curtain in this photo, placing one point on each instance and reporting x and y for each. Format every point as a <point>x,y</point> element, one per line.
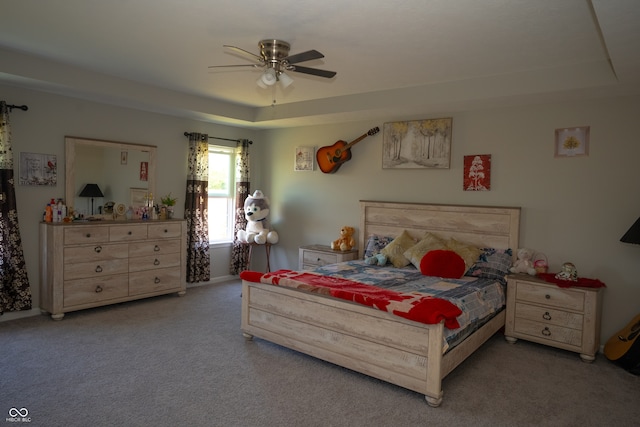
<point>15,293</point>
<point>196,211</point>
<point>240,252</point>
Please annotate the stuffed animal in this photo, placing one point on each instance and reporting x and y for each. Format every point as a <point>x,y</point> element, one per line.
<point>524,262</point>
<point>256,211</point>
<point>378,259</point>
<point>345,242</point>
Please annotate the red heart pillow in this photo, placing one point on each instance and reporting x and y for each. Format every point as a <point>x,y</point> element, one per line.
<point>442,263</point>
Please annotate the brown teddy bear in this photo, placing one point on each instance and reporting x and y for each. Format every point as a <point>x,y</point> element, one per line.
<point>346,241</point>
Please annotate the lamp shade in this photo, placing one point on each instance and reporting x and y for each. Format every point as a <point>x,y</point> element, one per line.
<point>633,234</point>
<point>91,190</point>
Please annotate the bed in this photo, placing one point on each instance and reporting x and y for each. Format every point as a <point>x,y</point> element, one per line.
<point>397,350</point>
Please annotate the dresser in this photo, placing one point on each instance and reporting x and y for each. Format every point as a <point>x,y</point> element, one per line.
<point>313,256</point>
<point>542,312</point>
<point>91,264</point>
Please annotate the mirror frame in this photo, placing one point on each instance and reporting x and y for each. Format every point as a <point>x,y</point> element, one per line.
<point>71,142</point>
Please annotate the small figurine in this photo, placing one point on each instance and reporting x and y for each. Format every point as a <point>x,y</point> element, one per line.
<point>568,272</point>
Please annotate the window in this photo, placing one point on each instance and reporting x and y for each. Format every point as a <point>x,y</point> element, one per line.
<point>221,193</point>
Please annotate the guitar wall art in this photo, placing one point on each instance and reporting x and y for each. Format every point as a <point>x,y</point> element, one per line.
<point>331,157</point>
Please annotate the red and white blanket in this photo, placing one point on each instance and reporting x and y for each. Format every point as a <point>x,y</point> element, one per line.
<point>413,306</point>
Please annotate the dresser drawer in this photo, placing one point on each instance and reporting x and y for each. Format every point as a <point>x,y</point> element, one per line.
<point>154,262</point>
<point>95,269</point>
<point>549,332</point>
<point>549,316</point>
<point>550,296</point>
<point>98,252</point>
<point>154,247</point>
<point>164,231</point>
<point>85,234</point>
<point>123,233</point>
<point>83,291</point>
<point>151,281</point>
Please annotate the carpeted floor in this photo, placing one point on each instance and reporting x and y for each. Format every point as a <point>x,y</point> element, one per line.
<point>171,361</point>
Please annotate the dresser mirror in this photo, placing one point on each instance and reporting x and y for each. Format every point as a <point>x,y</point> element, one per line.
<point>121,170</point>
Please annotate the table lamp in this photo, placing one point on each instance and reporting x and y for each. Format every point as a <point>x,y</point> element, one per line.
<point>91,190</point>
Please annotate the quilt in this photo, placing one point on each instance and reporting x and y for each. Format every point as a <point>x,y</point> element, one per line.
<point>409,305</point>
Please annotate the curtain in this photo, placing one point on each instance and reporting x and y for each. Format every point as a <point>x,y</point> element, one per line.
<point>240,252</point>
<point>15,293</point>
<point>196,211</point>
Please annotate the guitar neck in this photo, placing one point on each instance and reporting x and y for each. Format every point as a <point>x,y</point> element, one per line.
<point>354,142</point>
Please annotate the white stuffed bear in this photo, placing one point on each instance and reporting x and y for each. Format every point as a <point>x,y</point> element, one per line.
<point>524,262</point>
<point>256,211</point>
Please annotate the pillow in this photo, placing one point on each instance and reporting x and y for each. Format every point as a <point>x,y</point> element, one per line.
<point>394,251</point>
<point>428,243</point>
<point>492,264</point>
<point>375,244</point>
<point>442,263</point>
<point>469,253</point>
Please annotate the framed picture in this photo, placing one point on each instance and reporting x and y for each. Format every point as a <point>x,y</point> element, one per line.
<point>138,197</point>
<point>477,172</point>
<point>304,159</point>
<point>572,142</point>
<point>418,144</point>
<point>38,169</point>
<point>123,157</point>
<point>144,171</point>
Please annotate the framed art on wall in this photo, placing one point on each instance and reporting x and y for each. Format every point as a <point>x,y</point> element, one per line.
<point>572,142</point>
<point>477,172</point>
<point>304,159</point>
<point>417,144</point>
<point>38,169</point>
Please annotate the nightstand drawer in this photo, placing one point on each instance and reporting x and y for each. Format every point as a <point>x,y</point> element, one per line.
<point>549,316</point>
<point>314,256</point>
<point>319,258</point>
<point>549,296</point>
<point>549,332</point>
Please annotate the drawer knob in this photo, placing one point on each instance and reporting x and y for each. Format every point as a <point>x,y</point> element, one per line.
<point>98,269</point>
<point>166,231</point>
<point>87,235</point>
<point>546,332</point>
<point>547,296</point>
<point>156,280</point>
<point>156,248</point>
<point>156,262</point>
<point>98,289</point>
<point>98,249</point>
<point>129,233</point>
<point>546,316</point>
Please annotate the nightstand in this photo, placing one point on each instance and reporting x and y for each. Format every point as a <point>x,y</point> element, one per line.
<point>313,256</point>
<point>542,312</point>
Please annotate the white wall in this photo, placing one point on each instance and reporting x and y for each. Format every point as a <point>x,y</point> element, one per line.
<point>42,129</point>
<point>573,209</point>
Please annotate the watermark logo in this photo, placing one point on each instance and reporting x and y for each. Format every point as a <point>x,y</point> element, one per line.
<point>18,415</point>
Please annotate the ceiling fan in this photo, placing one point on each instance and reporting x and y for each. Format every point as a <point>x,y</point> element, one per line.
<point>275,59</point>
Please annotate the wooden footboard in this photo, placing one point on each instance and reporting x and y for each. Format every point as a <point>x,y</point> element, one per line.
<point>372,342</point>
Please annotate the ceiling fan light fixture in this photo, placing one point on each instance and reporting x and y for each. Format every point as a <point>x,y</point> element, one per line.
<point>284,80</point>
<point>268,78</point>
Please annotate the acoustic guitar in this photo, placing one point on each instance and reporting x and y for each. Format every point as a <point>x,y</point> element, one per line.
<point>624,347</point>
<point>331,157</point>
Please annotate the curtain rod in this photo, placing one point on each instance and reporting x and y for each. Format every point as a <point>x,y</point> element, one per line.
<point>187,134</point>
<point>20,107</point>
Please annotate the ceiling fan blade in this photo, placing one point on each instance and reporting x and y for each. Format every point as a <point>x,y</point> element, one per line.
<point>245,53</point>
<point>239,65</point>
<point>304,56</point>
<point>313,71</point>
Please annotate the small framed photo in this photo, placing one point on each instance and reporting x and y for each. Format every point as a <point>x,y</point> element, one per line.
<point>304,159</point>
<point>572,142</point>
<point>124,155</point>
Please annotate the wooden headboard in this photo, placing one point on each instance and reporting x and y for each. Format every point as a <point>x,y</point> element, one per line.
<point>483,226</point>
